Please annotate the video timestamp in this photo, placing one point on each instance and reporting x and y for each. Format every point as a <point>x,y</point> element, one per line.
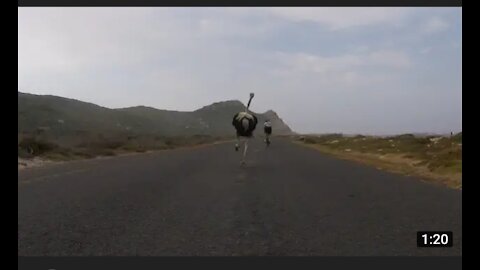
<point>434,239</point>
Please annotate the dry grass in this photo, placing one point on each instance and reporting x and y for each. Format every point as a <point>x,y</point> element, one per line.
<point>30,148</point>
<point>437,159</point>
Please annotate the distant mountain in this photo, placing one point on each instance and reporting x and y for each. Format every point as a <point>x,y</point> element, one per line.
<point>58,116</point>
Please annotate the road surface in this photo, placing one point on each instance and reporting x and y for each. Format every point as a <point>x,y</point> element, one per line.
<point>288,200</point>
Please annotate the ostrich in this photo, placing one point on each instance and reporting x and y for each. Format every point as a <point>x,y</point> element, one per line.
<point>244,123</point>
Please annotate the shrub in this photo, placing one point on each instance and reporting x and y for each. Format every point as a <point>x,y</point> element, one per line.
<point>34,146</point>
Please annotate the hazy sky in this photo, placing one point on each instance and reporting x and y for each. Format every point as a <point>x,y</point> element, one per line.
<point>352,70</point>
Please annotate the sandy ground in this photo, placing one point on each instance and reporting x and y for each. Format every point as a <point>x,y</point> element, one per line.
<point>35,162</point>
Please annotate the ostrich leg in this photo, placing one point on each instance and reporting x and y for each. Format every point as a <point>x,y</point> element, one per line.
<point>245,150</point>
<point>237,143</point>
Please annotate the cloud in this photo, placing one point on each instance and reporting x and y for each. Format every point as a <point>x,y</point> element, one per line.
<point>67,39</point>
<point>388,59</point>
<point>435,25</point>
<point>426,50</point>
<point>222,27</point>
<point>366,73</point>
<point>457,44</point>
<point>320,64</point>
<point>339,18</point>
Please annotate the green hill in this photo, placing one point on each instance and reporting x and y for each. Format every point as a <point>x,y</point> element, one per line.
<point>61,118</point>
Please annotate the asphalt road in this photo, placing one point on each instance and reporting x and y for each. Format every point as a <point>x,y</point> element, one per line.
<point>287,200</point>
